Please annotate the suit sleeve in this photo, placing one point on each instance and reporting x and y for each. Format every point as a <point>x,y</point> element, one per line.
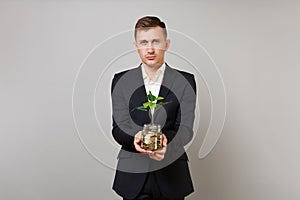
<point>121,131</point>
<point>182,133</point>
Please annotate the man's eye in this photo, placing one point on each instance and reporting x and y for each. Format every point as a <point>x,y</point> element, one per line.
<point>143,43</point>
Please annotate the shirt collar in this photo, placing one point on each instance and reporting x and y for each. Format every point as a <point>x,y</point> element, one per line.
<point>158,73</point>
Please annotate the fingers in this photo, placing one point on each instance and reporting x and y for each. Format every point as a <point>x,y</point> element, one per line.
<point>137,143</point>
<point>158,154</point>
<point>165,140</point>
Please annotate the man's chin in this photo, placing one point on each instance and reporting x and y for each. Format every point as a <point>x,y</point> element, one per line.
<point>152,64</point>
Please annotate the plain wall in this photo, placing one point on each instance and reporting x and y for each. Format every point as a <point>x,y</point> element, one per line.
<point>255,45</point>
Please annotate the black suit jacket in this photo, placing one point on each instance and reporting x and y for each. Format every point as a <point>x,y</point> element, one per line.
<point>177,117</point>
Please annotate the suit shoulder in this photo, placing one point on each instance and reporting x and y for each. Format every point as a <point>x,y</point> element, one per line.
<point>189,77</point>
<point>120,74</point>
<point>116,78</point>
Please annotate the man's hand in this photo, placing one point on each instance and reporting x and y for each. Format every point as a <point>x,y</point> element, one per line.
<point>137,143</point>
<point>155,155</point>
<point>159,154</point>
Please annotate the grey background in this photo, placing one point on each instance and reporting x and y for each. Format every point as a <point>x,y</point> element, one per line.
<point>255,44</point>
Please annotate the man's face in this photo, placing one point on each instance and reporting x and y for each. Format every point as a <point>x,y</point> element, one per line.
<point>151,45</point>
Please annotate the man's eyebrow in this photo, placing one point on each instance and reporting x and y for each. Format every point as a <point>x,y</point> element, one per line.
<point>144,40</point>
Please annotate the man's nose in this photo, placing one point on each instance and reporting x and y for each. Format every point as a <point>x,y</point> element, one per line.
<point>150,48</point>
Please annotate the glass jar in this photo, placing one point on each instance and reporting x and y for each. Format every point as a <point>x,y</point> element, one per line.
<point>151,137</point>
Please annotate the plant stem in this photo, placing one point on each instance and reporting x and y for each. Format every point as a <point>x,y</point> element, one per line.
<point>152,116</point>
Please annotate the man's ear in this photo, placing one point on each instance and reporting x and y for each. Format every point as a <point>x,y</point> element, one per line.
<point>167,44</point>
<point>135,45</point>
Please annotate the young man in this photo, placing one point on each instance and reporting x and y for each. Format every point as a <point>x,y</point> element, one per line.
<point>163,174</point>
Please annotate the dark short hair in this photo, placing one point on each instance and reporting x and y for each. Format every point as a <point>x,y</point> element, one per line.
<point>149,22</point>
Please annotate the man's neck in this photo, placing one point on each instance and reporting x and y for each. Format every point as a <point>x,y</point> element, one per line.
<point>151,70</point>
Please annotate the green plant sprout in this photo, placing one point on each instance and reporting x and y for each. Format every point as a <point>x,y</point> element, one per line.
<point>152,105</point>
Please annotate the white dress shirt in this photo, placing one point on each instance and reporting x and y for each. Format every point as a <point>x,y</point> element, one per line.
<point>153,85</point>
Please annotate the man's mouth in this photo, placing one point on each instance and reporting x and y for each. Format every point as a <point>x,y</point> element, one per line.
<point>150,57</point>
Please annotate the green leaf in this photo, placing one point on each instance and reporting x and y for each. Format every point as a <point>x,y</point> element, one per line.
<point>151,97</point>
<point>142,108</point>
<point>152,105</point>
<point>159,98</point>
<point>163,103</point>
<point>146,104</point>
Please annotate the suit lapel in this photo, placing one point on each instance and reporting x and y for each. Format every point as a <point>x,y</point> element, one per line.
<point>168,80</point>
<point>137,97</point>
<point>142,91</point>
